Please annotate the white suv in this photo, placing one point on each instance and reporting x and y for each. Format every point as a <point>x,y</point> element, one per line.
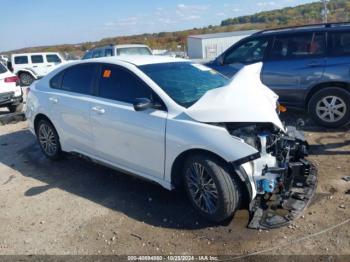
<point>31,66</point>
<point>177,123</point>
<point>10,91</point>
<point>118,50</point>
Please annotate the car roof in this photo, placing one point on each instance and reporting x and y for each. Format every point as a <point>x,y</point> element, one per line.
<point>137,60</point>
<point>304,29</point>
<point>38,53</point>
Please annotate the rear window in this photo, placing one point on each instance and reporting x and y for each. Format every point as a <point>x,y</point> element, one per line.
<point>20,60</point>
<point>2,69</point>
<point>133,51</point>
<point>298,46</point>
<point>53,59</point>
<point>340,42</point>
<point>37,59</point>
<point>78,78</point>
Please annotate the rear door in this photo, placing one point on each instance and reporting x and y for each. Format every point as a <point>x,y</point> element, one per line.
<point>295,62</point>
<point>133,141</point>
<point>38,64</point>
<point>338,60</point>
<point>52,60</point>
<point>70,106</point>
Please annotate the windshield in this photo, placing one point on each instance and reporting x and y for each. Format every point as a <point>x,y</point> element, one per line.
<point>184,82</point>
<point>133,51</point>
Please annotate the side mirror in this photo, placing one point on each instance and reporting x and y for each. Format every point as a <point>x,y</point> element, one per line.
<point>142,104</point>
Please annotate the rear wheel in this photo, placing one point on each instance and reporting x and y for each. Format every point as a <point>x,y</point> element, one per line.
<point>330,107</point>
<point>48,140</point>
<point>26,79</point>
<point>210,188</point>
<point>15,108</point>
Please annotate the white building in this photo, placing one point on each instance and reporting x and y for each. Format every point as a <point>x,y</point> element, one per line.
<point>211,45</point>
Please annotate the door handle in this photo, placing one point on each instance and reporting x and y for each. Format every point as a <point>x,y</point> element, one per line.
<point>53,100</point>
<point>49,65</point>
<point>98,110</point>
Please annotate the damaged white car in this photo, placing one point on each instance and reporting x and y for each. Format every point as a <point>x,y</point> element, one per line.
<point>178,123</point>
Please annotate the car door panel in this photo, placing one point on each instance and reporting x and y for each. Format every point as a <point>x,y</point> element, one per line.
<point>72,113</point>
<point>295,63</point>
<point>71,107</point>
<point>132,140</point>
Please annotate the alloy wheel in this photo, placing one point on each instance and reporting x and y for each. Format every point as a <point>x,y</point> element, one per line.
<point>202,188</point>
<point>47,140</point>
<point>331,109</point>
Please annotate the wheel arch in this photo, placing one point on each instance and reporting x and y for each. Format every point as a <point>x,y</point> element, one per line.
<point>40,117</point>
<point>21,71</point>
<point>316,88</point>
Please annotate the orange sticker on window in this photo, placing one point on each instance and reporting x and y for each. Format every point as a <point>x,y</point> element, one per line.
<point>107,73</point>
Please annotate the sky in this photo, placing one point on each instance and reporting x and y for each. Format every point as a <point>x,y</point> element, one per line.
<point>26,23</point>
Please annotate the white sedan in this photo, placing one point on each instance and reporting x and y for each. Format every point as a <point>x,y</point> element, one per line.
<point>177,123</point>
<point>10,91</point>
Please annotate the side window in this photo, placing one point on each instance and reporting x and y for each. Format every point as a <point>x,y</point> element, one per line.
<point>340,43</point>
<point>109,52</point>
<point>53,59</point>
<point>251,51</point>
<point>20,60</point>
<point>88,55</point>
<point>97,53</point>
<point>37,59</point>
<point>56,81</point>
<point>79,78</point>
<point>119,84</point>
<point>298,46</point>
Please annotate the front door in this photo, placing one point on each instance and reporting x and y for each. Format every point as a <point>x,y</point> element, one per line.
<point>295,62</point>
<point>131,140</point>
<point>245,52</point>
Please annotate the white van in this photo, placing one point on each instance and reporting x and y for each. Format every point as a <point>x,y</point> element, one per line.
<point>31,66</point>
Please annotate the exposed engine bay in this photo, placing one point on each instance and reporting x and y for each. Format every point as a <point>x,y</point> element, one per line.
<point>284,180</point>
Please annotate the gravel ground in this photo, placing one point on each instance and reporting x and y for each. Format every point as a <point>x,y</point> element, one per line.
<point>77,207</point>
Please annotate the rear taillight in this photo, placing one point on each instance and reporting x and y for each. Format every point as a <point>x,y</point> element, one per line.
<point>11,79</point>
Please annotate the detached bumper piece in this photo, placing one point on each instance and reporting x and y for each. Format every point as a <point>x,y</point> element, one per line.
<point>281,208</point>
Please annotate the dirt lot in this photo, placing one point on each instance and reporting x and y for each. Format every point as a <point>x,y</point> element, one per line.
<point>77,207</point>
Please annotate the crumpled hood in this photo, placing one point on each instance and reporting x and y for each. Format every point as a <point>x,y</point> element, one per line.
<point>245,100</point>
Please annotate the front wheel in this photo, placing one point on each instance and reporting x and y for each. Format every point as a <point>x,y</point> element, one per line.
<point>330,107</point>
<point>26,79</point>
<point>210,188</point>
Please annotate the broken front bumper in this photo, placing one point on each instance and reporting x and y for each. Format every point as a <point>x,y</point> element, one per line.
<point>280,209</point>
<point>297,186</point>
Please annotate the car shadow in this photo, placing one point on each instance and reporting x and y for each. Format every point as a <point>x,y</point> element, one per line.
<point>136,198</point>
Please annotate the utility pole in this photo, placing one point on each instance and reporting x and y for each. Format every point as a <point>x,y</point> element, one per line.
<point>325,11</point>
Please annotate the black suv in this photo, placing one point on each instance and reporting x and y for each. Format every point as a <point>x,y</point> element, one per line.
<point>307,66</point>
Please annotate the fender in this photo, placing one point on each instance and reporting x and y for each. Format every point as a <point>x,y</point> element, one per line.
<point>27,70</point>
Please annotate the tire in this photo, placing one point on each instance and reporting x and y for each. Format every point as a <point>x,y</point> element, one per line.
<point>330,107</point>
<point>48,140</point>
<point>15,108</point>
<point>26,79</point>
<point>217,177</point>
